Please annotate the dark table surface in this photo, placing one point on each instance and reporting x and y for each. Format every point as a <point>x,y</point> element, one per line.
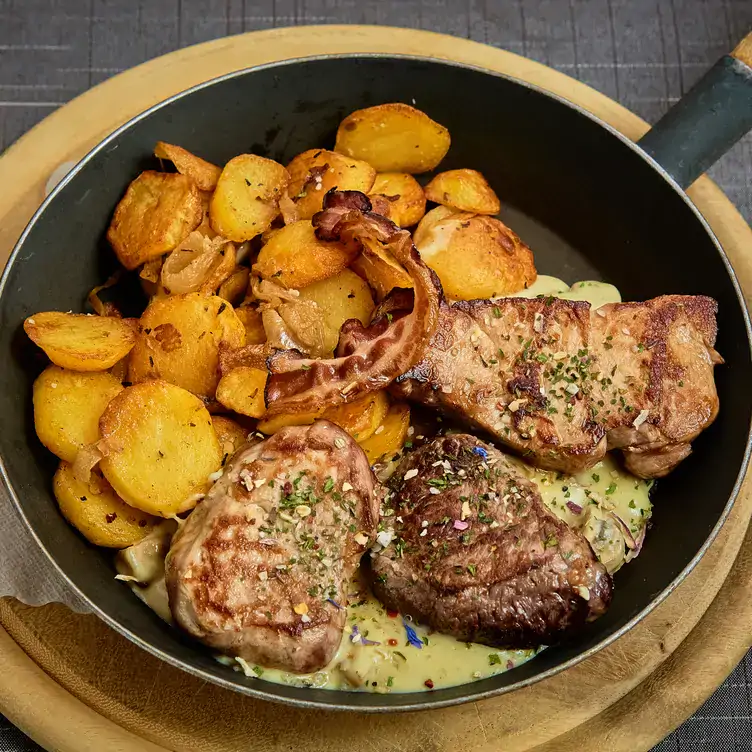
<point>643,53</point>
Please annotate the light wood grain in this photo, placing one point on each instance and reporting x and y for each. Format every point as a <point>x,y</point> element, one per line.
<point>97,685</point>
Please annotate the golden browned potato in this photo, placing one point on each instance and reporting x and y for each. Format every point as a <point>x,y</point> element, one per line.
<point>246,199</point>
<point>294,257</point>
<point>362,417</point>
<point>393,138</point>
<point>345,296</point>
<point>380,270</point>
<point>390,436</point>
<point>242,390</point>
<point>466,190</point>
<point>204,174</point>
<point>81,342</point>
<point>254,326</point>
<point>475,256</point>
<point>155,215</point>
<point>316,171</point>
<point>98,513</point>
<point>161,448</point>
<point>179,339</point>
<point>234,288</point>
<point>67,408</point>
<point>230,435</point>
<point>407,202</point>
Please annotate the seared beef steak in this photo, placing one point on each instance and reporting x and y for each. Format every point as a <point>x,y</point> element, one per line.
<point>560,383</point>
<point>478,556</point>
<point>260,567</point>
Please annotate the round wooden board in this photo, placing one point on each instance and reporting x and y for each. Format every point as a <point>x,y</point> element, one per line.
<point>73,684</point>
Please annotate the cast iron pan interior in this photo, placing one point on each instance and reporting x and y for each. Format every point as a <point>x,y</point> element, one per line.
<point>586,201</point>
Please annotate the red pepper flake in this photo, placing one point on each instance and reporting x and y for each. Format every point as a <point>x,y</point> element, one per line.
<point>428,683</point>
<point>392,614</point>
<point>510,665</point>
<point>391,641</point>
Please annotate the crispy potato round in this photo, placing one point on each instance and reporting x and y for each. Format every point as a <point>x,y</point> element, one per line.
<point>278,422</point>
<point>234,288</point>
<point>155,215</point>
<point>294,257</point>
<point>100,515</point>
<point>67,408</point>
<point>179,338</point>
<point>345,296</point>
<point>393,138</point>
<point>246,199</point>
<point>204,174</point>
<point>316,171</point>
<point>476,257</point>
<point>242,390</point>
<point>362,417</point>
<point>390,436</point>
<point>230,435</point>
<point>162,447</point>
<point>407,201</point>
<point>466,190</point>
<point>380,270</point>
<point>255,334</point>
<point>81,342</point>
<point>434,218</point>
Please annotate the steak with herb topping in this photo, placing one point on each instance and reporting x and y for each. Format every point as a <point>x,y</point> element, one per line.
<point>259,569</point>
<point>476,554</point>
<point>560,383</point>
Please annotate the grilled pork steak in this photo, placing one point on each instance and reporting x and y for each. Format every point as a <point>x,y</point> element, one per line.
<point>477,555</point>
<point>561,383</point>
<point>258,570</point>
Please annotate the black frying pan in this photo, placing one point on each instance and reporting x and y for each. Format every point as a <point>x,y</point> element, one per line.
<point>588,201</point>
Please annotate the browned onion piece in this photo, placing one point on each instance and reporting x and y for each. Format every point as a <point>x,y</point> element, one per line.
<point>100,307</point>
<point>193,263</point>
<point>299,384</point>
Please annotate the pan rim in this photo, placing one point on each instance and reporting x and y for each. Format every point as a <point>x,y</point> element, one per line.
<point>374,703</point>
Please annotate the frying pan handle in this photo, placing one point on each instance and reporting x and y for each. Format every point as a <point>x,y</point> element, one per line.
<point>707,121</point>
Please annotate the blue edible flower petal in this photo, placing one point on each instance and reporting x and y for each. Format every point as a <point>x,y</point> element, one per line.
<point>334,603</point>
<point>481,452</point>
<point>357,636</point>
<point>412,636</point>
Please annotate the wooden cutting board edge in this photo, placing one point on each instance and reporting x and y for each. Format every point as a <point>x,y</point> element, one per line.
<point>650,680</point>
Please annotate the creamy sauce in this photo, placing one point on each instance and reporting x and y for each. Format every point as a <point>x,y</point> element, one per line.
<point>608,505</point>
<point>595,293</point>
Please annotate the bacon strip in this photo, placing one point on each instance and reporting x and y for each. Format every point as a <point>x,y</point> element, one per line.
<point>300,384</point>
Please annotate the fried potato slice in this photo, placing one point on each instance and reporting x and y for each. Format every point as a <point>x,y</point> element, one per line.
<point>98,513</point>
<point>407,201</point>
<point>381,271</point>
<point>254,326</point>
<point>360,418</point>
<point>242,390</point>
<point>393,138</point>
<point>234,288</point>
<point>316,171</point>
<point>475,256</point>
<point>342,297</point>
<point>230,435</point>
<point>179,339</point>
<point>390,436</point>
<point>204,174</point>
<point>80,342</point>
<point>294,257</point>
<point>162,448</point>
<point>246,199</point>
<point>67,408</point>
<point>156,214</point>
<point>466,190</point>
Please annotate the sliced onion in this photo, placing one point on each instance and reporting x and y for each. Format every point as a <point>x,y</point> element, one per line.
<point>194,262</point>
<point>100,307</point>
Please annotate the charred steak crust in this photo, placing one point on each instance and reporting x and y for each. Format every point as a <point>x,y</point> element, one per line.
<point>478,556</point>
<point>560,383</point>
<point>259,569</point>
